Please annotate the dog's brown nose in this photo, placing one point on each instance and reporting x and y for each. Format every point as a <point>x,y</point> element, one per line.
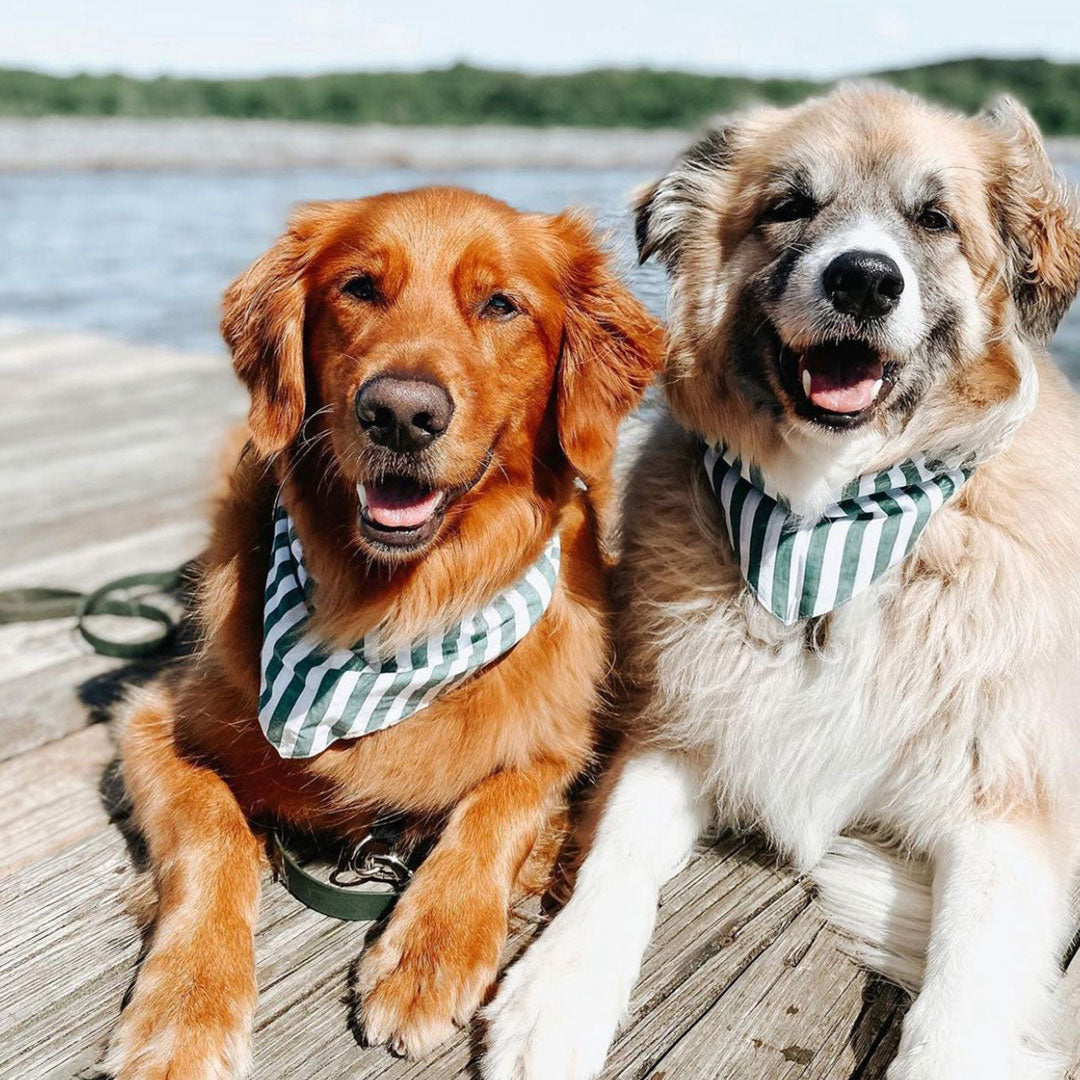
<point>403,414</point>
<point>863,283</point>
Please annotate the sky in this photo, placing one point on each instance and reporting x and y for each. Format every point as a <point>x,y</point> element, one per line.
<point>816,38</point>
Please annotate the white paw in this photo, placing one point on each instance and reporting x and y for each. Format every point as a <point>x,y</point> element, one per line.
<point>928,1064</point>
<point>555,1014</point>
<point>953,1063</point>
<point>936,1046</point>
<point>941,1053</point>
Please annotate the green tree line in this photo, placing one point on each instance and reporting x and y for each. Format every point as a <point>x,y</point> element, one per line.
<point>641,98</point>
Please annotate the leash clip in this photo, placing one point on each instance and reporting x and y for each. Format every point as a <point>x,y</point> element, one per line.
<point>372,859</point>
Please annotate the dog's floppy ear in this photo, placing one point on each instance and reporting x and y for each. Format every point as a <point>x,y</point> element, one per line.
<point>612,348</point>
<point>663,210</point>
<point>263,325</point>
<point>1037,216</point>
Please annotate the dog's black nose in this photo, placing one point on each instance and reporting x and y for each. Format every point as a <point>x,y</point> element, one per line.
<point>863,283</point>
<point>403,414</point>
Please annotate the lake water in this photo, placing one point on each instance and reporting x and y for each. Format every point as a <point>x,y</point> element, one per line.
<point>145,255</point>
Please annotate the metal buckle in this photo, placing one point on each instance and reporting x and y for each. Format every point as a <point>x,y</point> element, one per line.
<point>372,859</point>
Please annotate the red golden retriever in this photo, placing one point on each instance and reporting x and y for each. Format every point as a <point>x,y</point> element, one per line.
<point>431,373</point>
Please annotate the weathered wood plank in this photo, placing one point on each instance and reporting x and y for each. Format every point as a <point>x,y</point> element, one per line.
<point>103,442</point>
<point>50,798</point>
<point>43,705</point>
<point>854,1050</point>
<point>767,1023</point>
<point>713,958</point>
<point>68,952</point>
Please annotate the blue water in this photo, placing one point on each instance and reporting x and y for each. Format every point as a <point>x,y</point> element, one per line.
<point>145,255</point>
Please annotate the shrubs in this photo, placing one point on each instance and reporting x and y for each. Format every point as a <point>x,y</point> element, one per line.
<point>465,95</point>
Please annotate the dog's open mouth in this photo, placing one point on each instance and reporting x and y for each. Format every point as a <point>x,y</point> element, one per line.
<point>399,511</point>
<point>403,513</point>
<point>839,383</point>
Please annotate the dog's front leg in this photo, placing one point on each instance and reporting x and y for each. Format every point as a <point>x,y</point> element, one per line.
<point>428,971</point>
<point>1000,919</point>
<point>191,1009</point>
<point>558,1008</point>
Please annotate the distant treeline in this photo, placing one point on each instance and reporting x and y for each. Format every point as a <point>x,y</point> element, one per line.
<point>466,95</point>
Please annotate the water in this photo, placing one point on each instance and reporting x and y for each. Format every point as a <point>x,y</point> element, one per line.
<point>146,255</point>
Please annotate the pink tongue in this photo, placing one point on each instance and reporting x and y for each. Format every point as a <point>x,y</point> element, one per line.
<point>397,510</point>
<point>841,392</point>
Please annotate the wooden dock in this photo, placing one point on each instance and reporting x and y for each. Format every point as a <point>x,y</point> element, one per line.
<point>105,453</point>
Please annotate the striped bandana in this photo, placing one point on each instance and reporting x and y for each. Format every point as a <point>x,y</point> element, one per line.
<point>310,698</point>
<point>798,568</point>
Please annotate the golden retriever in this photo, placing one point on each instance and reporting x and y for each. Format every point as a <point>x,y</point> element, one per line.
<point>435,378</point>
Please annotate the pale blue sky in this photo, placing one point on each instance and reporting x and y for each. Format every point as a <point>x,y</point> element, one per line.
<point>246,37</point>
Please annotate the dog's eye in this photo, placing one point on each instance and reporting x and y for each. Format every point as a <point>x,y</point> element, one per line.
<point>932,219</point>
<point>793,207</point>
<point>362,287</point>
<point>498,306</point>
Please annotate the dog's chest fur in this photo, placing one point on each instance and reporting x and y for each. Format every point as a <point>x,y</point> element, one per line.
<point>884,714</point>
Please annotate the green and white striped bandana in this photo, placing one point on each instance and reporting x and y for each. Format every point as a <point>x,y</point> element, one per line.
<point>310,698</point>
<point>799,568</point>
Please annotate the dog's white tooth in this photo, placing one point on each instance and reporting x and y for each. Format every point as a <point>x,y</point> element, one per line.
<point>807,382</point>
<point>361,491</point>
<point>877,389</point>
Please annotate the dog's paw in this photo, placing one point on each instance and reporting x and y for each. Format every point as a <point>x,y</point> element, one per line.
<point>427,974</point>
<point>949,1062</point>
<point>554,1016</point>
<point>929,1064</point>
<point>939,1041</point>
<point>182,1026</point>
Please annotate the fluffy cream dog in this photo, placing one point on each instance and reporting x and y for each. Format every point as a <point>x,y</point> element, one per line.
<point>861,287</point>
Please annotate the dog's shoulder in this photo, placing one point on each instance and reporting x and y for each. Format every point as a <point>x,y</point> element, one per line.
<point>1007,542</point>
<point>1030,493</point>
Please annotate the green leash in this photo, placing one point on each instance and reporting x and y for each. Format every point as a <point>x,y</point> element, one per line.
<point>39,604</point>
<point>343,897</point>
